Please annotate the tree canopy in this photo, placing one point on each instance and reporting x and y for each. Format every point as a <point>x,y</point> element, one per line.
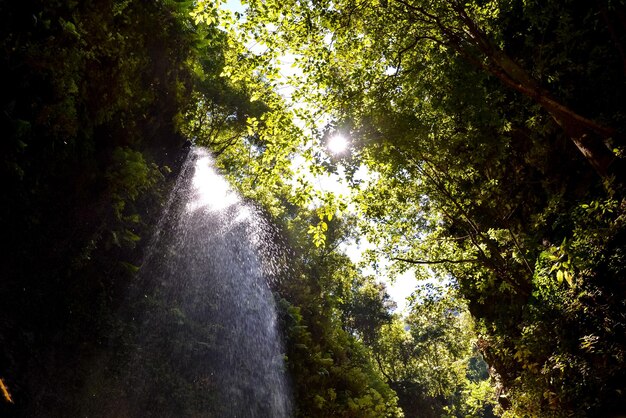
<point>495,134</point>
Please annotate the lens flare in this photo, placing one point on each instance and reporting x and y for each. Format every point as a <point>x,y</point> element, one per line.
<point>337,144</point>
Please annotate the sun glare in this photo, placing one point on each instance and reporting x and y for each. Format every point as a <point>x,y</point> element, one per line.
<point>211,190</point>
<point>337,144</point>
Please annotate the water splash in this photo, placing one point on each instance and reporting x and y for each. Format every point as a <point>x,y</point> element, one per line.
<point>206,341</point>
<point>211,191</point>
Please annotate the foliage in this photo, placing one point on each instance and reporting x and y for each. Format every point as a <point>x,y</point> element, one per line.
<point>430,359</point>
<point>93,97</point>
<point>493,135</point>
<point>494,131</point>
<point>329,312</point>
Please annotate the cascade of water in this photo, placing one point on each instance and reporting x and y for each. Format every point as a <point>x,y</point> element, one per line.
<point>206,341</point>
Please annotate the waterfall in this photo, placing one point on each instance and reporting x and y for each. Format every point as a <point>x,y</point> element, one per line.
<point>206,342</point>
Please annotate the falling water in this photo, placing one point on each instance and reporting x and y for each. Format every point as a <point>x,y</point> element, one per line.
<point>206,341</point>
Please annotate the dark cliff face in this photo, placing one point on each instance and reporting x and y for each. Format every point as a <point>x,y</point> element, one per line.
<point>88,98</point>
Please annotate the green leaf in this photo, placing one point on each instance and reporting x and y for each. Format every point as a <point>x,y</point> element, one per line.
<point>569,277</point>
<point>559,276</point>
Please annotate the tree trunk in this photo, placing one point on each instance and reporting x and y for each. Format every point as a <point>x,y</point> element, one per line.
<point>588,136</point>
<point>468,39</point>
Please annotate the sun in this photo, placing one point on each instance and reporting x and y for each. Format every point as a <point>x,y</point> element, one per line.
<point>337,144</point>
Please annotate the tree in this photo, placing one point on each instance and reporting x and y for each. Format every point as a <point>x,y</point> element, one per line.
<point>329,313</point>
<point>426,36</point>
<point>430,360</point>
<point>471,117</point>
<point>457,26</point>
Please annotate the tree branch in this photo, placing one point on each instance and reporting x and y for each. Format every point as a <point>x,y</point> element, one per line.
<point>441,261</point>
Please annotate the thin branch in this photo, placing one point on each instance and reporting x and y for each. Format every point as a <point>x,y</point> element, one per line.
<point>521,251</point>
<point>441,261</point>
